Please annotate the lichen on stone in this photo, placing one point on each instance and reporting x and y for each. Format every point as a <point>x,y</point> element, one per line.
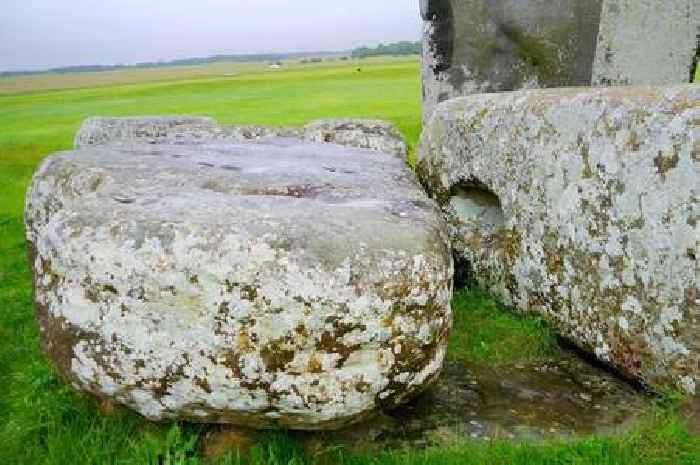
<point>598,189</point>
<point>311,289</point>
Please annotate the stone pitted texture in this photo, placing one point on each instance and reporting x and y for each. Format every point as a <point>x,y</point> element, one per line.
<point>268,284</point>
<point>479,46</point>
<point>151,130</point>
<point>368,134</point>
<point>647,42</point>
<point>582,204</point>
<point>375,135</point>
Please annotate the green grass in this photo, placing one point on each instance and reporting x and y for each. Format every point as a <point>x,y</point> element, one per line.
<point>486,332</point>
<point>43,421</point>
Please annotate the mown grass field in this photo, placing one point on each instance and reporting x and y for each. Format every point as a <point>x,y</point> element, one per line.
<point>43,421</point>
<point>222,69</point>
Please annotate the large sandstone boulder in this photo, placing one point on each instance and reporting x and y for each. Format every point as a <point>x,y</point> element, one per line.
<point>582,204</point>
<point>480,46</point>
<point>268,284</point>
<point>375,135</point>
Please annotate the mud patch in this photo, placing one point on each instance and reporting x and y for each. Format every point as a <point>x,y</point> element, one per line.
<point>559,398</point>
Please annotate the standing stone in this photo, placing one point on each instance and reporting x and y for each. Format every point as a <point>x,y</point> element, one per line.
<point>275,283</point>
<point>482,46</point>
<point>582,205</point>
<point>647,42</point>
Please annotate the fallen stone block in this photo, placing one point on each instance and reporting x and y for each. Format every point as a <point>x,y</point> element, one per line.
<point>582,205</point>
<point>374,135</point>
<point>267,284</point>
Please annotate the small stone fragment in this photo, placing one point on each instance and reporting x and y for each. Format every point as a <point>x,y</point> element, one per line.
<point>370,134</point>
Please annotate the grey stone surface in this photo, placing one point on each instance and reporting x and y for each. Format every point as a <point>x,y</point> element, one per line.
<point>583,205</point>
<point>369,134</point>
<point>268,284</point>
<point>647,42</point>
<point>480,46</point>
<point>148,129</point>
<point>375,135</point>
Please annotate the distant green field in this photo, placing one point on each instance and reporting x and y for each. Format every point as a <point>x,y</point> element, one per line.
<point>36,124</point>
<point>60,81</point>
<point>43,421</point>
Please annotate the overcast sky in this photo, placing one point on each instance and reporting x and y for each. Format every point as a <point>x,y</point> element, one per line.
<point>36,34</point>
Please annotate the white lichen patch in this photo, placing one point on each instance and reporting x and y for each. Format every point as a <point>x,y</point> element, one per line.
<point>277,301</point>
<point>599,192</point>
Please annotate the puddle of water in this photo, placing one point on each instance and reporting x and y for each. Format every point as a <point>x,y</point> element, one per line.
<point>560,398</point>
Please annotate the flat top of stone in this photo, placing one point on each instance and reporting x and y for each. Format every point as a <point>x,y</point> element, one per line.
<point>329,200</point>
<point>351,123</point>
<point>640,95</point>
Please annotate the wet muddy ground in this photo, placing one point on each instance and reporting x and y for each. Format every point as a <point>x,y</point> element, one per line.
<point>563,397</point>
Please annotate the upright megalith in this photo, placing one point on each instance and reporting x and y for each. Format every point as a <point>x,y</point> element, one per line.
<point>480,46</point>
<point>582,204</point>
<point>647,42</point>
<point>272,283</point>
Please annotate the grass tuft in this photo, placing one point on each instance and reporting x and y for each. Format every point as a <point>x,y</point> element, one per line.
<point>486,332</point>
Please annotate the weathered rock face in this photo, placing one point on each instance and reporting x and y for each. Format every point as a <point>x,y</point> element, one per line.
<point>375,135</point>
<point>268,284</point>
<point>663,32</point>
<point>479,46</point>
<point>367,134</point>
<point>582,204</point>
<point>151,130</point>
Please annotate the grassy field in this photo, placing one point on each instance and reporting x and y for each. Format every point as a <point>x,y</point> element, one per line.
<point>222,69</point>
<point>43,421</point>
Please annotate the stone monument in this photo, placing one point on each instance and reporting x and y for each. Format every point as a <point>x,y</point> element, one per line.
<point>479,46</point>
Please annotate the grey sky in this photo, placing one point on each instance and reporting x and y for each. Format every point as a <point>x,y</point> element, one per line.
<point>37,34</point>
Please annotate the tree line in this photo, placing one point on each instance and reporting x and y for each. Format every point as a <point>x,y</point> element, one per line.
<point>393,49</point>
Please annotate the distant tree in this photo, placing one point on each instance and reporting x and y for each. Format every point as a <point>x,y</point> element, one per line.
<point>393,49</point>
